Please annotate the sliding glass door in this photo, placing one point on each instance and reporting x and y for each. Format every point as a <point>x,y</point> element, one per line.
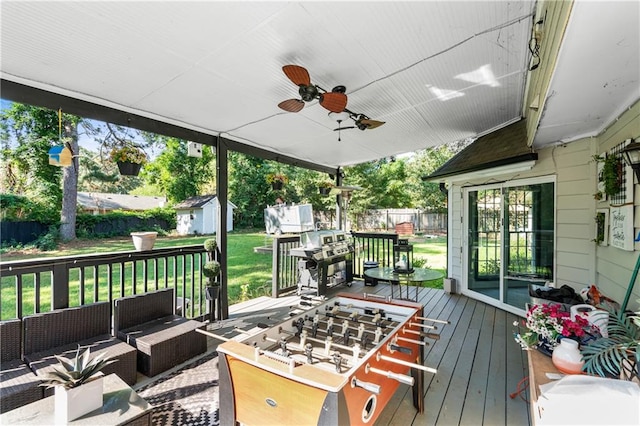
<point>510,241</point>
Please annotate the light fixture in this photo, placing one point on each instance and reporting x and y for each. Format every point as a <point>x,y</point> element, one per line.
<point>631,154</point>
<point>339,117</point>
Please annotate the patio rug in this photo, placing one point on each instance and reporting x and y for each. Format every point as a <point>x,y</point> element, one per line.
<point>188,396</point>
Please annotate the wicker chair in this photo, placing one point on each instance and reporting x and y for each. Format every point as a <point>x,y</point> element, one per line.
<point>59,332</point>
<point>18,385</point>
<point>163,339</point>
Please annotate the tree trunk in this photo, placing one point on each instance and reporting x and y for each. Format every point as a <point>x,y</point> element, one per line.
<point>70,186</point>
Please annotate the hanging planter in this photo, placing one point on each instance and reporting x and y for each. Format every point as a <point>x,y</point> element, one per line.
<point>127,168</point>
<point>324,188</point>
<point>129,159</point>
<point>277,180</point>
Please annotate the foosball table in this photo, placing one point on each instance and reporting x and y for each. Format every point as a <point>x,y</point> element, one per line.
<point>339,362</point>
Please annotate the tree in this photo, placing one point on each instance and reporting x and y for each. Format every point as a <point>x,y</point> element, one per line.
<point>176,174</point>
<point>425,162</point>
<point>31,132</point>
<point>383,185</point>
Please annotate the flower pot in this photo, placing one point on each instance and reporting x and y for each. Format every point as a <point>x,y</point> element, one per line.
<point>211,292</point>
<point>143,240</point>
<point>128,168</point>
<point>324,191</point>
<point>567,357</point>
<point>76,402</point>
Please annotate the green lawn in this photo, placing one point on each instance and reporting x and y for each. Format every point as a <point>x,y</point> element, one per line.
<point>249,272</point>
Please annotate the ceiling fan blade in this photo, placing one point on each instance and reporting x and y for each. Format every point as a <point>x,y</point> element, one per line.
<point>372,124</point>
<point>334,102</point>
<point>297,74</point>
<point>291,105</point>
<point>343,128</point>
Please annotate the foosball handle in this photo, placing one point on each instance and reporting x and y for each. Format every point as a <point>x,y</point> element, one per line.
<point>368,386</point>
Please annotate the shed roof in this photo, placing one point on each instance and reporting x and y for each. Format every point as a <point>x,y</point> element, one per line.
<point>197,201</point>
<point>107,201</point>
<point>500,148</point>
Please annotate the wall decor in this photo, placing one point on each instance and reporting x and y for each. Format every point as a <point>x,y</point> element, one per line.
<point>621,232</point>
<point>602,227</point>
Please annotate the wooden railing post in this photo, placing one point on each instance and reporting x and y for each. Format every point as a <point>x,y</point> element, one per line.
<point>60,286</point>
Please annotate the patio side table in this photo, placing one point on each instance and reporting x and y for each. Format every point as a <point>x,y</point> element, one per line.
<point>418,276</point>
<point>121,406</point>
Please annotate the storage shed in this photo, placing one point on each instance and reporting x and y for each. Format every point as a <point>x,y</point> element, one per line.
<point>199,215</point>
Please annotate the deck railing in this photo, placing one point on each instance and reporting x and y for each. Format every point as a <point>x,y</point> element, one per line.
<point>373,246</point>
<point>44,284</point>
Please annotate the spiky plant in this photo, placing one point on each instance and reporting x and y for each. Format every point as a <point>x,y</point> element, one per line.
<point>73,373</point>
<point>606,355</point>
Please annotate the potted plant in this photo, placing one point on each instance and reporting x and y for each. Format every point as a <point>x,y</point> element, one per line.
<point>211,270</point>
<point>324,188</point>
<point>546,323</point>
<point>78,384</point>
<point>617,354</point>
<point>129,159</point>
<point>143,240</point>
<point>611,174</point>
<point>277,180</point>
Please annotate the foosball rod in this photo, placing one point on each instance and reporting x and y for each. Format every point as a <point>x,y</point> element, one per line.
<point>379,357</point>
<point>323,342</point>
<point>402,378</point>
<point>430,327</point>
<point>215,336</point>
<point>421,334</point>
<point>433,320</point>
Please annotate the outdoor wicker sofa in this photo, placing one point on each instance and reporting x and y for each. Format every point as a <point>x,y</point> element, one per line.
<point>18,384</point>
<point>60,331</point>
<point>163,339</point>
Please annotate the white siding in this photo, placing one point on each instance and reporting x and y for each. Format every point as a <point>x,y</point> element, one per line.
<point>579,262</point>
<point>615,266</point>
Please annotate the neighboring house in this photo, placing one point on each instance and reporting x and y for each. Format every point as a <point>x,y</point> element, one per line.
<point>198,215</point>
<point>98,203</point>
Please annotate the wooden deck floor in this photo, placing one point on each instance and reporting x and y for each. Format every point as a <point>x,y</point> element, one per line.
<point>478,362</point>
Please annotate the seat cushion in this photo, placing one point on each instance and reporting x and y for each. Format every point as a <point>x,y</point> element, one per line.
<point>43,362</point>
<point>18,386</point>
<point>165,343</point>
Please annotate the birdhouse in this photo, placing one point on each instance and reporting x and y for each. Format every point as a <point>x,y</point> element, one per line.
<point>60,156</point>
<point>194,149</point>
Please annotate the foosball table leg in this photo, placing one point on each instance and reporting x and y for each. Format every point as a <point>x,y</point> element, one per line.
<point>418,387</point>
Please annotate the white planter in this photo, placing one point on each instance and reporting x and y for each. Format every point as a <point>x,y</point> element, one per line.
<point>76,402</point>
<point>144,240</point>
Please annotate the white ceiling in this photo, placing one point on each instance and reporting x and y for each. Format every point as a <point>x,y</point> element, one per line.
<point>597,74</point>
<point>434,71</point>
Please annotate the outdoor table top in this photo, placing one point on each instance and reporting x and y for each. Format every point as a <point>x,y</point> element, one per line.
<point>121,406</point>
<point>418,274</point>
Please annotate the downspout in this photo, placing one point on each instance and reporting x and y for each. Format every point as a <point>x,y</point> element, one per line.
<point>445,191</point>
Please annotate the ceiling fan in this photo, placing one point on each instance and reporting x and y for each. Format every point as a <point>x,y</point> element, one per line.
<point>334,101</point>
<point>361,121</point>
